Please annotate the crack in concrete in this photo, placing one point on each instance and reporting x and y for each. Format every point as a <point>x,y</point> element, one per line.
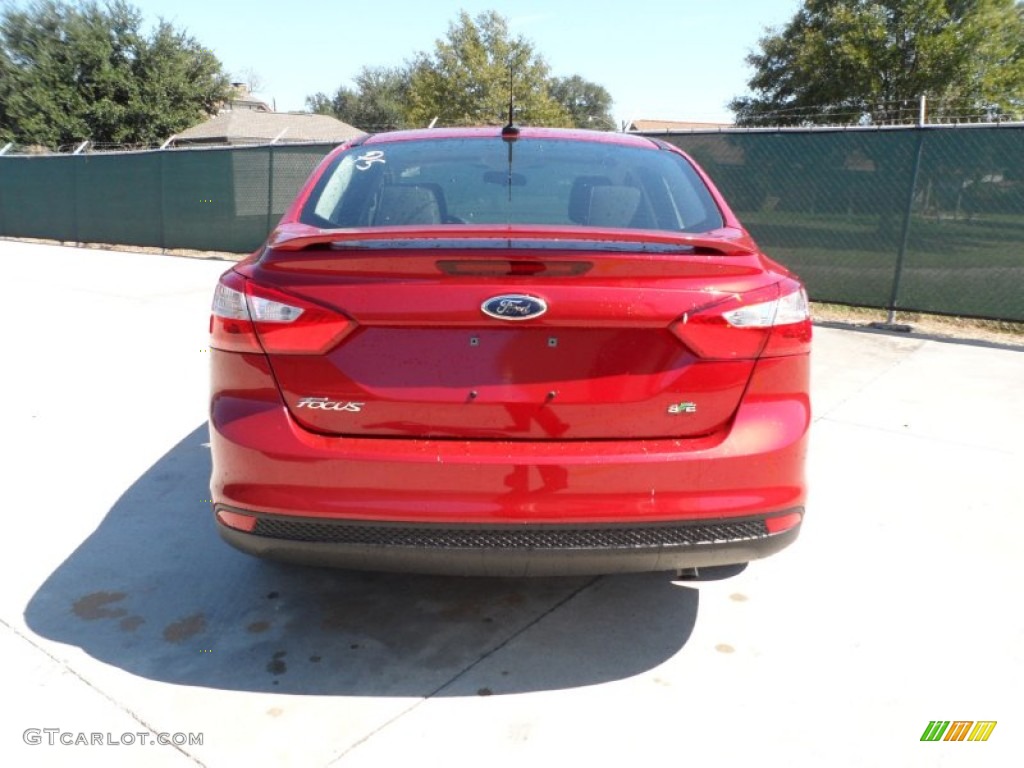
<point>916,436</point>
<point>63,665</point>
<point>881,374</point>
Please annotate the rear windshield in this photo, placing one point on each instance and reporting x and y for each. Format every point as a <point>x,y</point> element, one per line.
<point>529,181</point>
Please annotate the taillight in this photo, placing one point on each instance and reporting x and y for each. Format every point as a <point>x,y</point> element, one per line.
<point>253,318</point>
<point>767,322</point>
<point>231,327</point>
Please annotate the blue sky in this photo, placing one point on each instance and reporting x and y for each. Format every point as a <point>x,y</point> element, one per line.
<point>668,59</point>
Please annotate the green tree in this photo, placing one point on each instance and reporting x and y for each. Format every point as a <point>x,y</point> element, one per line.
<point>383,92</point>
<point>589,105</point>
<point>76,72</point>
<point>870,61</point>
<point>377,103</point>
<point>6,77</point>
<point>465,81</point>
<point>340,105</point>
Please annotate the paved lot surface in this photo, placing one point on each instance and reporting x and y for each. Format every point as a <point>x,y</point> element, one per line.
<point>122,613</point>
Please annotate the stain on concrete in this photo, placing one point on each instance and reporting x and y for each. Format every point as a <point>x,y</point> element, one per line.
<point>258,626</point>
<point>484,692</point>
<point>277,666</point>
<point>96,606</point>
<point>315,659</point>
<point>131,623</point>
<point>273,595</point>
<point>346,614</point>
<point>181,630</point>
<point>466,608</point>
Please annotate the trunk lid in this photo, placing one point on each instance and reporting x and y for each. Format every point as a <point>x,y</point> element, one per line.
<point>425,359</point>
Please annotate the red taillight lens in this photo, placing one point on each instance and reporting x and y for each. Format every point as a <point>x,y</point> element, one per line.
<point>287,325</point>
<point>252,318</point>
<point>768,322</point>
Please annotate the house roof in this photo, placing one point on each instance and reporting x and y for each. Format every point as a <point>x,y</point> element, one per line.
<point>643,126</point>
<point>249,126</point>
<point>247,102</point>
<point>243,98</point>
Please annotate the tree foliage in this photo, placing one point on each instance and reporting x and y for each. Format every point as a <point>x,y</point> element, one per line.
<point>589,105</point>
<point>376,104</point>
<point>870,61</point>
<point>76,72</point>
<point>465,81</point>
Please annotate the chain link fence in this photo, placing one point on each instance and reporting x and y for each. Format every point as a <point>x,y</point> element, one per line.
<point>913,219</point>
<point>926,219</point>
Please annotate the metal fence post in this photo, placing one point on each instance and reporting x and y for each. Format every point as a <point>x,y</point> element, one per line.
<point>270,188</point>
<point>161,200</point>
<point>905,234</point>
<point>3,224</point>
<point>74,196</point>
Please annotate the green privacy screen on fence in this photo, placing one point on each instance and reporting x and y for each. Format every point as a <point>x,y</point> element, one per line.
<point>925,219</point>
<point>205,199</point>
<point>928,219</point>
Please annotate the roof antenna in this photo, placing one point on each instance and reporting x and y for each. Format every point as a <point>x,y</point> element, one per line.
<point>511,131</point>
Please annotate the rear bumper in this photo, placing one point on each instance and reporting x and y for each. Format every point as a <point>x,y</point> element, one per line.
<point>551,550</point>
<point>266,465</point>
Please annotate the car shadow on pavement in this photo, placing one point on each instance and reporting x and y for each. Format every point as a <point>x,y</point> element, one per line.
<point>155,592</point>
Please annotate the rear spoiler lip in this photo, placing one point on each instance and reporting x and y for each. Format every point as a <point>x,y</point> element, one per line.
<point>727,241</point>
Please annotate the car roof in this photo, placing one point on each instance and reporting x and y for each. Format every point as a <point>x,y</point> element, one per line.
<point>525,132</point>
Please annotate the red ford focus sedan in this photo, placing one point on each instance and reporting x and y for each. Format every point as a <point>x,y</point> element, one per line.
<point>509,352</point>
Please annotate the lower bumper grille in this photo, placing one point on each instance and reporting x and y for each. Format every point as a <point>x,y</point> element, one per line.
<point>552,537</point>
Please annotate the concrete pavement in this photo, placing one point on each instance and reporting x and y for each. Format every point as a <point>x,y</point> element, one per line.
<point>121,612</point>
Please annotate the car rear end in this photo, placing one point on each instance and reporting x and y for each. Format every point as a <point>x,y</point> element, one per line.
<point>557,354</point>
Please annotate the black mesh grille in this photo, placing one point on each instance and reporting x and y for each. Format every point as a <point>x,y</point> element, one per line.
<point>511,538</point>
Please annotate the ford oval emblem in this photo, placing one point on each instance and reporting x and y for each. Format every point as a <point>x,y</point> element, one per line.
<point>514,306</point>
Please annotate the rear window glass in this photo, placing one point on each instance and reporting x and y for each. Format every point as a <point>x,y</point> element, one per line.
<point>530,181</point>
